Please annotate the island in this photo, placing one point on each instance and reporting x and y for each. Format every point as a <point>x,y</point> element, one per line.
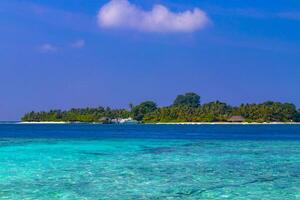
<point>186,108</point>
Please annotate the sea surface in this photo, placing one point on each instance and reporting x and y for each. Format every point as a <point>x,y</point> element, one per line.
<point>135,162</point>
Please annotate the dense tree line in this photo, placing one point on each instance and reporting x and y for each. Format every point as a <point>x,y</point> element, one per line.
<point>77,115</point>
<point>210,112</point>
<point>185,108</point>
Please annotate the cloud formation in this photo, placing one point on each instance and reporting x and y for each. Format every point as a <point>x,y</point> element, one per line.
<point>78,44</point>
<point>44,48</point>
<point>123,14</point>
<point>289,15</point>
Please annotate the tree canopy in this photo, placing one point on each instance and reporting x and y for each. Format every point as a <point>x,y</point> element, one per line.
<point>138,112</point>
<point>77,115</point>
<point>189,99</point>
<point>186,108</point>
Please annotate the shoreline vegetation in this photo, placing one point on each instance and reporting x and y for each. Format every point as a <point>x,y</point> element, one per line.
<point>177,123</point>
<point>186,109</point>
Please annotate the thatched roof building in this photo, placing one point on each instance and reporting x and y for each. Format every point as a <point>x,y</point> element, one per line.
<point>236,118</point>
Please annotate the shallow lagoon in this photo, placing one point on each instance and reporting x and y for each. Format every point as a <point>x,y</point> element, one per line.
<point>149,162</point>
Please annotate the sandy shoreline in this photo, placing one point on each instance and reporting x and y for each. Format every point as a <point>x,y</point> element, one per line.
<point>44,122</point>
<point>227,123</point>
<point>177,123</point>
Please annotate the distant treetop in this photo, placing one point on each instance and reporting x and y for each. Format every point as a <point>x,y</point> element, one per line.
<point>189,99</point>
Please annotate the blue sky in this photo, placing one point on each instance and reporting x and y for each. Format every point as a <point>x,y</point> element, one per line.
<point>59,54</point>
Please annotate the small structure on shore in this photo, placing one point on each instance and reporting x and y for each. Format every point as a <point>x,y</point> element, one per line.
<point>105,120</point>
<point>124,121</point>
<point>236,118</point>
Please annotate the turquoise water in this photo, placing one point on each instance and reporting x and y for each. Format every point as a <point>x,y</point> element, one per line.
<point>149,162</point>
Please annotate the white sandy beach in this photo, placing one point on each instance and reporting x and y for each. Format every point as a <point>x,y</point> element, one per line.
<point>43,122</point>
<point>226,123</point>
<point>178,123</point>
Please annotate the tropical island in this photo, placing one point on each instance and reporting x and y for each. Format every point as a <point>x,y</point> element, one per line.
<point>185,108</point>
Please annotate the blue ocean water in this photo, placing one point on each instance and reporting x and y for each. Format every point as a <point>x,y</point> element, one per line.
<point>120,162</point>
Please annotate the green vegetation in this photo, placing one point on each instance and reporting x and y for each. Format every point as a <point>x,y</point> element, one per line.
<point>77,115</point>
<point>185,108</point>
<point>189,99</point>
<point>139,112</point>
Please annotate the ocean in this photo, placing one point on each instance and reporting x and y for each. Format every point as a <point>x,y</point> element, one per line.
<point>135,162</point>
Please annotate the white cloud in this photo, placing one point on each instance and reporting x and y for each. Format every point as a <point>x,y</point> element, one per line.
<point>289,15</point>
<point>78,44</point>
<point>47,48</point>
<point>123,14</point>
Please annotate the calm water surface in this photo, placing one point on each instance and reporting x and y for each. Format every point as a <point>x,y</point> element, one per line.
<point>91,162</point>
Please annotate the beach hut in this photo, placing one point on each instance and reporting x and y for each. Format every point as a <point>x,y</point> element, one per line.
<point>236,118</point>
